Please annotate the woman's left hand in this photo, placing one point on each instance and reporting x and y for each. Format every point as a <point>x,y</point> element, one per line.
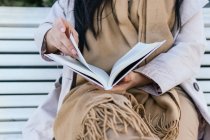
<point>131,80</point>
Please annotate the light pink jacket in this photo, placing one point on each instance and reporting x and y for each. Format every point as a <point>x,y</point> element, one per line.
<point>176,67</point>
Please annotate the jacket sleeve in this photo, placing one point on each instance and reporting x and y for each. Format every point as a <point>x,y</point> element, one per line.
<point>57,11</point>
<point>181,62</point>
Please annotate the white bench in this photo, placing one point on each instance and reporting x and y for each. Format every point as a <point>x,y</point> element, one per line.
<point>25,79</point>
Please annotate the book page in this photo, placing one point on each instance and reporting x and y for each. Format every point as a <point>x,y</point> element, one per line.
<point>76,66</point>
<point>139,52</point>
<point>101,75</point>
<point>99,72</point>
<point>79,54</point>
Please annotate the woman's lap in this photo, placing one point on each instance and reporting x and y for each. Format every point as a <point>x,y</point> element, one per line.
<point>189,122</point>
<point>188,127</point>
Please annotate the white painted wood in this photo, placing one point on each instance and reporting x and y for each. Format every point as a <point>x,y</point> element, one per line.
<point>29,74</point>
<point>207,98</point>
<point>15,113</point>
<point>11,137</point>
<point>21,100</point>
<point>207,21</point>
<point>11,127</point>
<point>204,73</point>
<point>206,59</point>
<point>17,46</point>
<point>17,33</point>
<point>208,46</point>
<point>25,87</point>
<point>22,16</point>
<point>205,86</point>
<point>24,60</point>
<point>207,32</point>
<point>206,15</point>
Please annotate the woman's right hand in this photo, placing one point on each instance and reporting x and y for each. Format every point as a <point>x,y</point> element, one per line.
<point>57,38</point>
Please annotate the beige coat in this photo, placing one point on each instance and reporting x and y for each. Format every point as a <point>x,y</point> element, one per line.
<point>186,55</point>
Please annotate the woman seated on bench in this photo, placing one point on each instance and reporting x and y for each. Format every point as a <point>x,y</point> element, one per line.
<point>158,100</point>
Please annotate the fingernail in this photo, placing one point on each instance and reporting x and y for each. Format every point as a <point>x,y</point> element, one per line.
<point>63,30</point>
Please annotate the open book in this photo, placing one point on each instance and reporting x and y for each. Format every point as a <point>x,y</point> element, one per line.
<point>119,70</point>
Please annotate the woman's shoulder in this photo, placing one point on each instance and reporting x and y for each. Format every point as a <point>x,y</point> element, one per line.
<point>191,7</point>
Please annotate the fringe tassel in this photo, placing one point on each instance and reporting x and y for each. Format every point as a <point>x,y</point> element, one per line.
<point>107,116</point>
<point>164,131</point>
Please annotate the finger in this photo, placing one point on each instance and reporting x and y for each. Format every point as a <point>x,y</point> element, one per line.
<point>127,78</point>
<point>60,25</point>
<point>68,28</point>
<point>67,43</point>
<point>75,35</point>
<point>63,49</point>
<point>59,45</point>
<point>121,87</point>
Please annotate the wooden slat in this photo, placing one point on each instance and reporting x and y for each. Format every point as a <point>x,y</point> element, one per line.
<point>17,33</point>
<point>19,16</point>
<point>208,46</point>
<point>25,87</point>
<point>24,60</point>
<point>14,114</point>
<point>17,46</point>
<point>207,32</point>
<point>29,74</point>
<point>11,137</point>
<point>21,100</point>
<point>207,21</point>
<point>206,15</point>
<point>205,86</point>
<point>207,97</point>
<point>204,73</point>
<point>11,127</point>
<point>206,59</point>
<point>206,11</point>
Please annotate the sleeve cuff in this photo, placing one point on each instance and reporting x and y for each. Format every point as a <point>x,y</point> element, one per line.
<point>156,88</point>
<point>40,39</point>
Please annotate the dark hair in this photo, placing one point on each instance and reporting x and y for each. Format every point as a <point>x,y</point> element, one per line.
<point>84,11</point>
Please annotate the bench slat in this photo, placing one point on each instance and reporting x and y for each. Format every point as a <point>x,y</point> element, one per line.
<point>207,21</point>
<point>21,100</point>
<point>29,74</point>
<point>207,97</point>
<point>25,87</point>
<point>17,46</point>
<point>208,46</point>
<point>206,60</point>
<point>207,32</point>
<point>205,86</point>
<point>11,137</point>
<point>11,127</point>
<point>206,15</point>
<point>204,73</point>
<point>14,114</point>
<point>17,33</point>
<point>24,60</point>
<point>20,16</point>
